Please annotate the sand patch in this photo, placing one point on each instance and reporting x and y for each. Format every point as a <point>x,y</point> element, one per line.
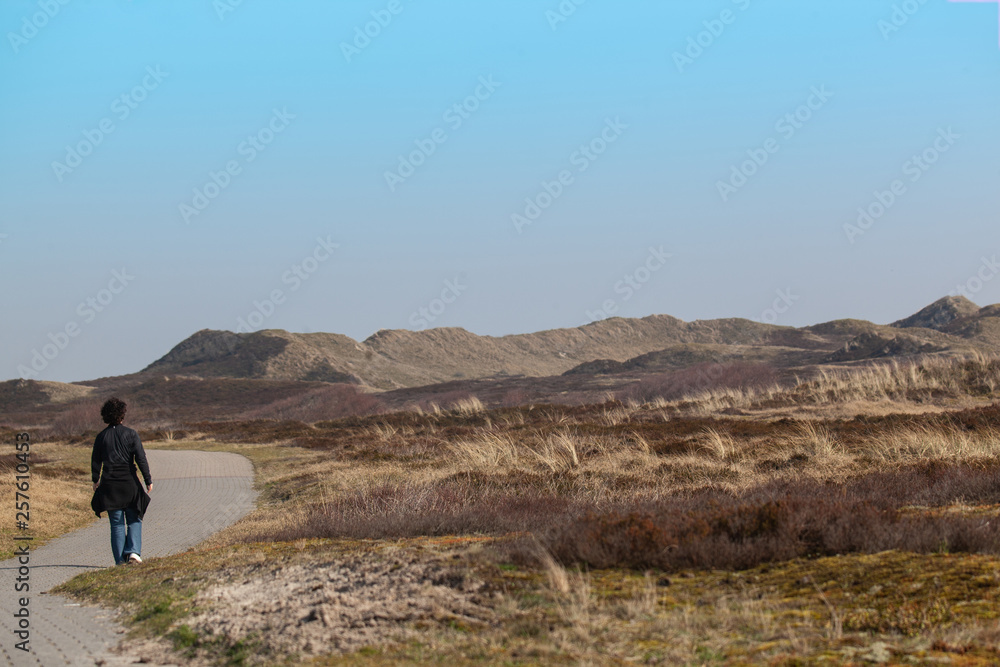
<point>341,606</point>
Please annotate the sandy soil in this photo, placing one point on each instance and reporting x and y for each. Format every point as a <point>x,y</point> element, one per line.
<point>342,606</point>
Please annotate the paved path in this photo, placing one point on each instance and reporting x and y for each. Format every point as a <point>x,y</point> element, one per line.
<point>195,494</point>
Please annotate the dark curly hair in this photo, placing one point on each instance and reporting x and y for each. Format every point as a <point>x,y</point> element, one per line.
<point>113,410</point>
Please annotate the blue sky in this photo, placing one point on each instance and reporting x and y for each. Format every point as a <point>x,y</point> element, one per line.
<point>654,138</point>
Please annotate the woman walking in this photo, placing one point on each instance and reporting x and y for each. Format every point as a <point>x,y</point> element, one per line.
<point>117,491</point>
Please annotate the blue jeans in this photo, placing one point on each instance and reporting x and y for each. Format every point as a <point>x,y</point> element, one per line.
<point>125,540</point>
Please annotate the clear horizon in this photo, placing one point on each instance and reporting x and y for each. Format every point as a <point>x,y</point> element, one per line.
<point>503,167</point>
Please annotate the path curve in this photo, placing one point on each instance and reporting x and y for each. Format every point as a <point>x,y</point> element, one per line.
<point>195,494</point>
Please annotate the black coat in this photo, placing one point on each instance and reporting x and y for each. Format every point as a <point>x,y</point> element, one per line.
<point>118,450</point>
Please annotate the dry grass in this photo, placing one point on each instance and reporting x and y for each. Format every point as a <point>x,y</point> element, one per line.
<point>719,446</point>
<point>468,406</point>
<point>558,453</point>
<point>923,380</point>
<point>384,432</point>
<point>910,609</point>
<point>714,389</point>
<point>892,606</point>
<point>714,455</point>
<point>741,481</point>
<point>59,496</point>
<point>489,451</point>
<point>434,478</point>
<point>889,607</point>
<point>615,415</point>
<point>493,451</point>
<point>923,442</point>
<point>494,480</point>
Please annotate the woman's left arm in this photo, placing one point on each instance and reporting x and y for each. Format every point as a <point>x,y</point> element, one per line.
<point>140,461</point>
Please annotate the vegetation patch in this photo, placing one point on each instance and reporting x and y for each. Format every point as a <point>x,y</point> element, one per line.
<point>610,533</point>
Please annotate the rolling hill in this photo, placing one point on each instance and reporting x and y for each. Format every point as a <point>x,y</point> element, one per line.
<point>237,371</point>
<point>398,358</point>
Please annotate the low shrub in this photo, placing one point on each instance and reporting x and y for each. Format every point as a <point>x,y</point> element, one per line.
<point>700,379</point>
<point>409,510</point>
<point>707,529</point>
<point>780,521</point>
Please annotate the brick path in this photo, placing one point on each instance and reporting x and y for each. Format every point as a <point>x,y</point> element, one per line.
<point>195,494</point>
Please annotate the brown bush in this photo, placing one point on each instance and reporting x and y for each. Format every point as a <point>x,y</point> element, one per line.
<point>408,510</point>
<point>81,420</point>
<point>513,398</point>
<point>703,529</point>
<point>78,419</point>
<point>701,378</point>
<point>781,521</point>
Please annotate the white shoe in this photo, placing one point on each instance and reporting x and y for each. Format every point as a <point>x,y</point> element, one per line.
<point>134,558</point>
